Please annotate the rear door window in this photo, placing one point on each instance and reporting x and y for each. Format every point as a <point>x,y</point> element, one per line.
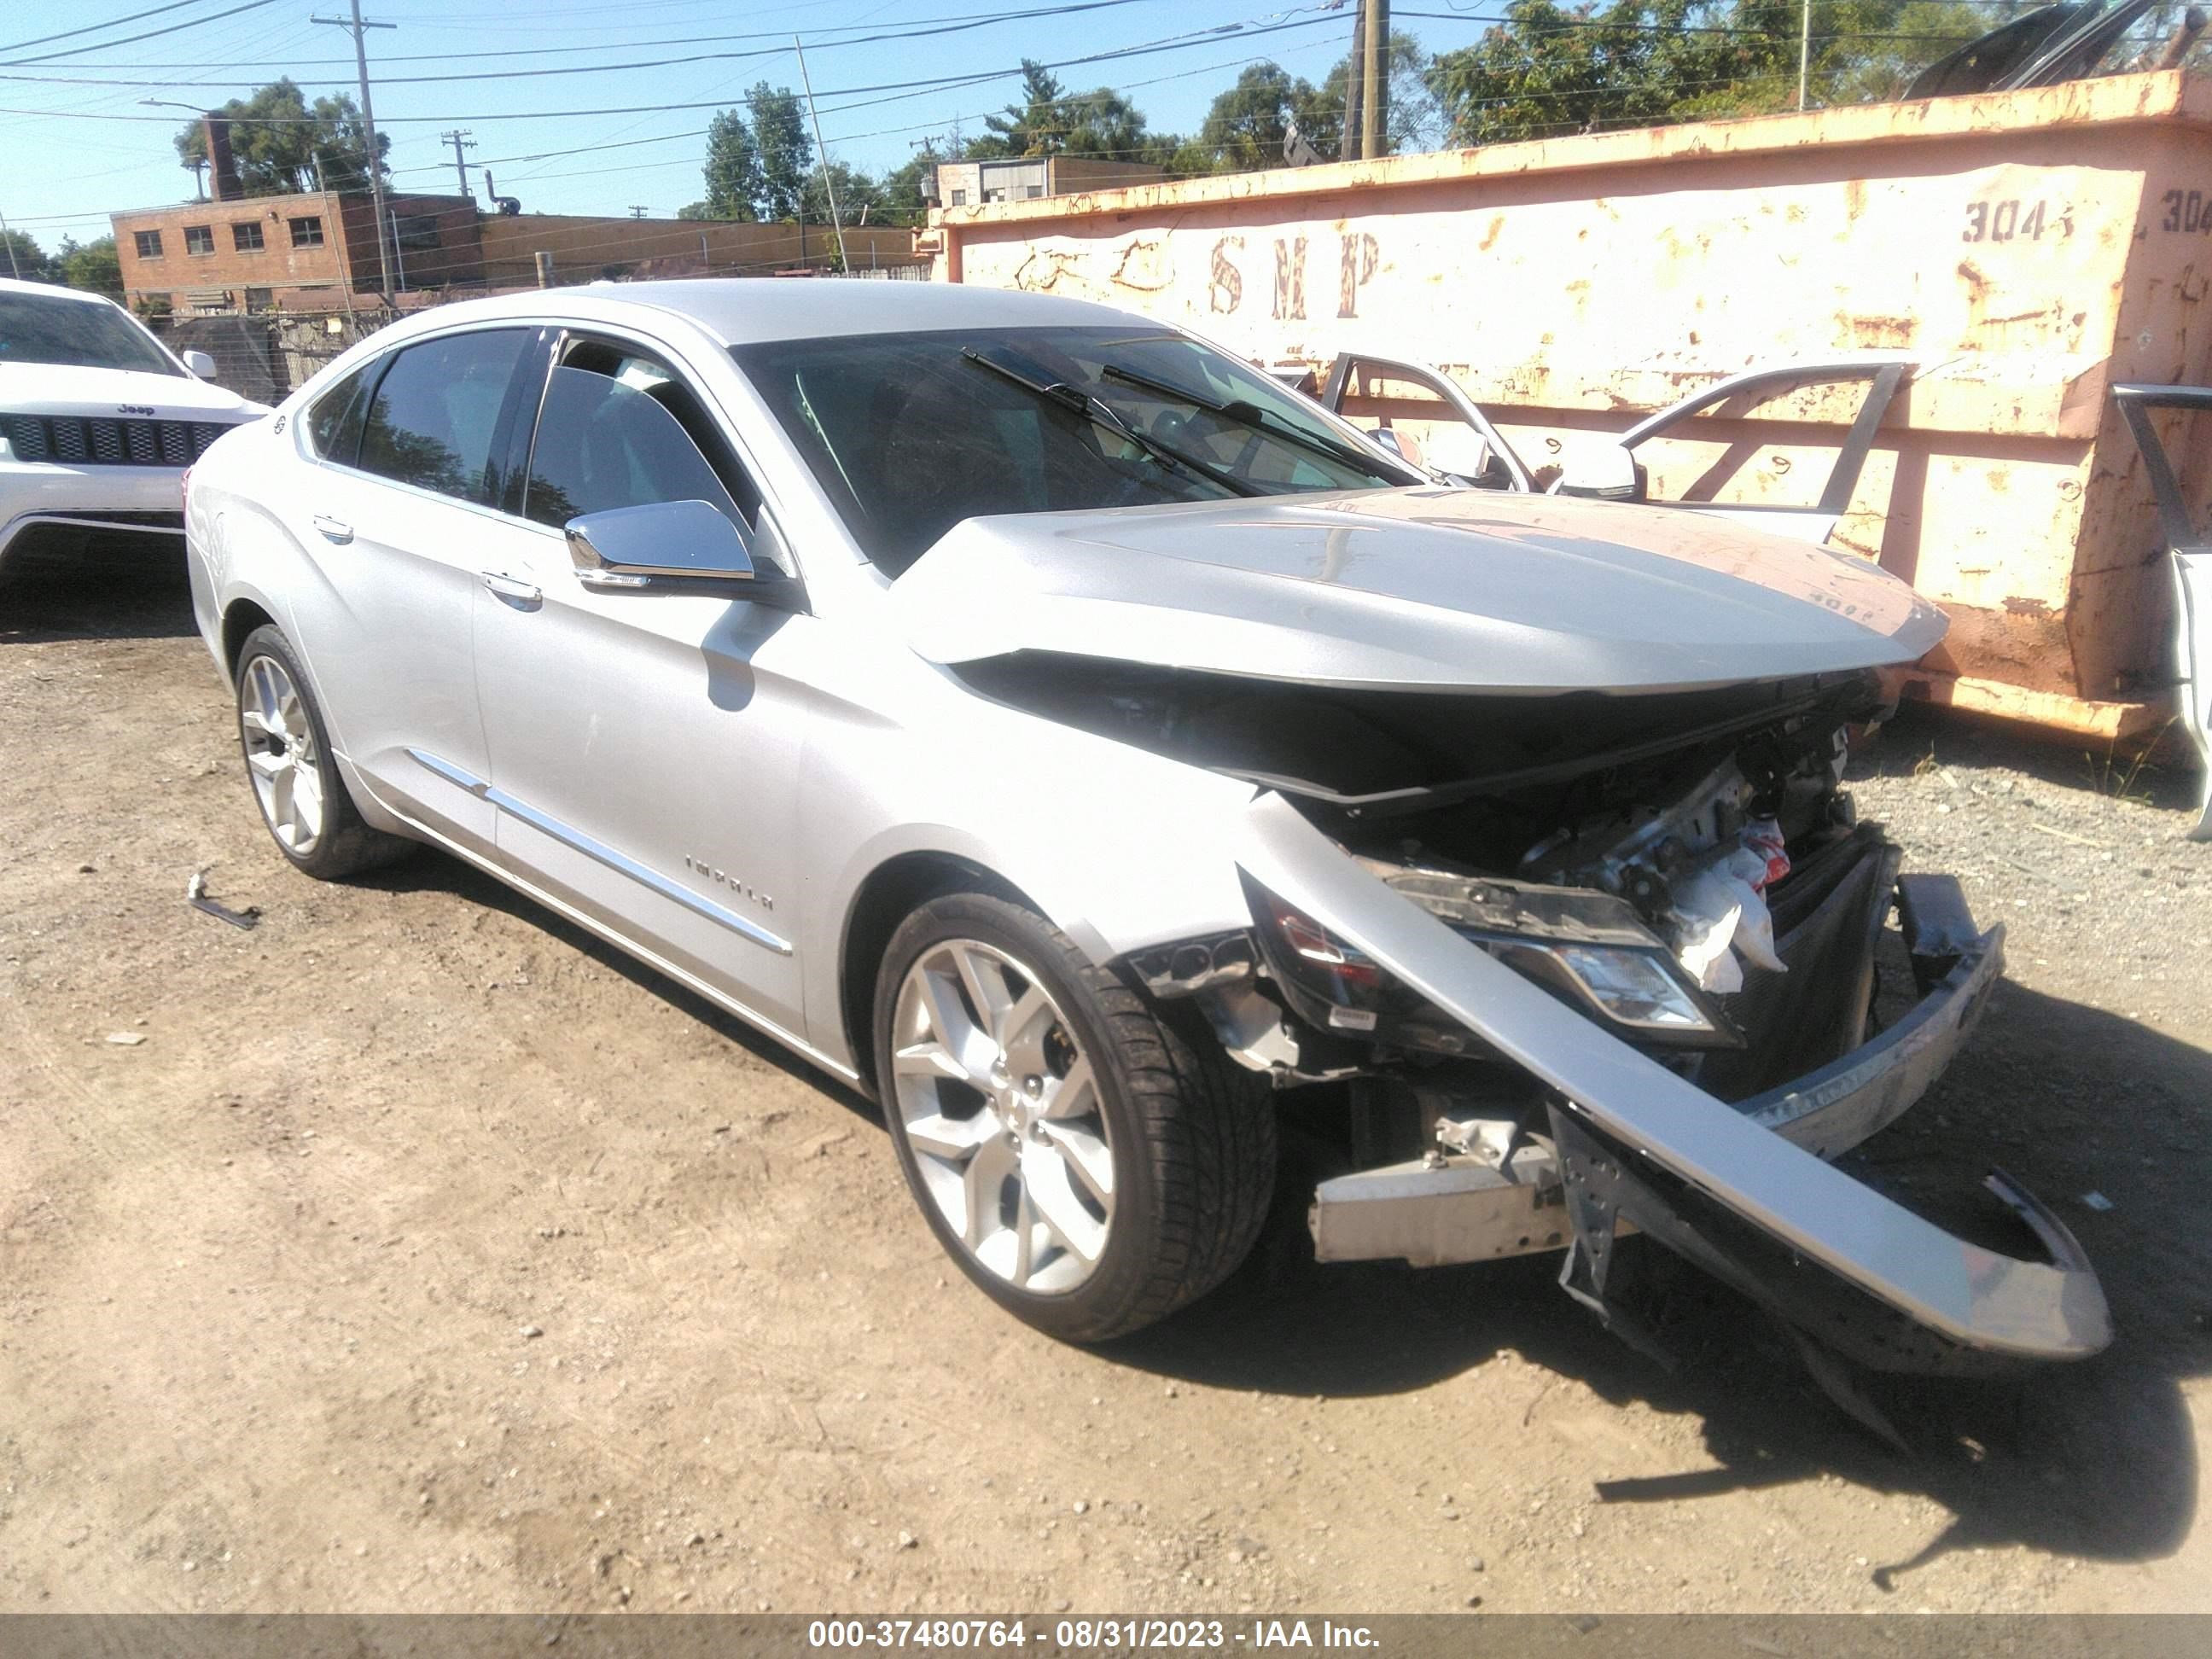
<point>436,416</point>
<point>618,429</point>
<point>334,422</point>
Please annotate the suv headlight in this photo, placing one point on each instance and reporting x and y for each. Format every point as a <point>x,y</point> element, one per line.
<point>1589,948</point>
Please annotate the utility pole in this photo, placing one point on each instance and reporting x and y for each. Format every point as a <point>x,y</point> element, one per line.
<point>636,211</point>
<point>828,185</point>
<point>459,138</point>
<point>355,27</point>
<point>1375,82</point>
<point>1355,80</point>
<point>1804,51</point>
<point>7,236</point>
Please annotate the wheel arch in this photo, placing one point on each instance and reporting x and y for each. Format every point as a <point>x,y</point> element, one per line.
<point>240,618</point>
<point>891,892</point>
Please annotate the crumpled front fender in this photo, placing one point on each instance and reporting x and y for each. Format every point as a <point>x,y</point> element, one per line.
<point>1963,1292</point>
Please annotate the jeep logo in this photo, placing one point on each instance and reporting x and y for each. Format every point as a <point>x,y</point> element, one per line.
<point>133,408</point>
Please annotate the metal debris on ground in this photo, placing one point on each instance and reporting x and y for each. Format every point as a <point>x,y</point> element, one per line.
<point>2096,1201</point>
<point>196,895</point>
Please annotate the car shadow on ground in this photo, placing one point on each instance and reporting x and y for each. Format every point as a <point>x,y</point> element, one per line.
<point>2070,1099</point>
<point>123,593</point>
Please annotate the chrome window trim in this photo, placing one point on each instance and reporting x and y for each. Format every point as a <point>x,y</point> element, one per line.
<point>599,851</point>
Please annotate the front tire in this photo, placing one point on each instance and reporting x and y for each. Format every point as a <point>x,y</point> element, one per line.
<point>303,800</point>
<point>1091,1166</point>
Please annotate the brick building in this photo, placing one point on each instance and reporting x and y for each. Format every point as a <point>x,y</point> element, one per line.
<point>318,251</point>
<point>310,252</point>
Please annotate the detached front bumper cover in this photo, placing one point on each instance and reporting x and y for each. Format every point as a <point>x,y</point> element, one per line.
<point>1738,1188</point>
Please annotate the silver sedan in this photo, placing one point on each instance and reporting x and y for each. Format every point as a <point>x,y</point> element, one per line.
<point>1102,756</point>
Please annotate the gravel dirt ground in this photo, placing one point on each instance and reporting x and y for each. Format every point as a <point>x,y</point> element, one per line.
<point>415,1251</point>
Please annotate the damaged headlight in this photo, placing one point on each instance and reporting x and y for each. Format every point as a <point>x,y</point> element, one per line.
<point>1588,948</point>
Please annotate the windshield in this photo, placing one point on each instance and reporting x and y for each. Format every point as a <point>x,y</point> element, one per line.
<point>909,434</point>
<point>79,333</point>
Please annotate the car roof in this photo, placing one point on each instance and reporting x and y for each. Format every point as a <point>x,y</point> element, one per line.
<point>744,311</point>
<point>52,291</point>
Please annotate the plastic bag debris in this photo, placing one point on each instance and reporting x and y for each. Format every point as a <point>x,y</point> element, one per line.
<point>1721,912</point>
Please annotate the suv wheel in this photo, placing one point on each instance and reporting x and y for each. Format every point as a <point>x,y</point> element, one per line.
<point>1087,1164</point>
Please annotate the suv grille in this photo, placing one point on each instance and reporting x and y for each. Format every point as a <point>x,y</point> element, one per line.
<point>104,442</point>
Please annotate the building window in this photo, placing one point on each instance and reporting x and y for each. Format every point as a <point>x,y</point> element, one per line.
<point>259,298</point>
<point>1034,190</point>
<point>307,233</point>
<point>960,198</point>
<point>246,236</point>
<point>199,239</point>
<point>149,244</point>
<point>415,233</point>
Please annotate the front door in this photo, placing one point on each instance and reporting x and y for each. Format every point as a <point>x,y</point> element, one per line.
<point>645,745</point>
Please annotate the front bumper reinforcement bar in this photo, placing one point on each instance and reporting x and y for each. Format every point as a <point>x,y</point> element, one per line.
<point>1747,1180</point>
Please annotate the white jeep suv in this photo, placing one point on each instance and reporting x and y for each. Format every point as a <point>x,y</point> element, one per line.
<point>97,422</point>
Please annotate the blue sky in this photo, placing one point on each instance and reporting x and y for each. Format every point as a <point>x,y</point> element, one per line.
<point>77,146</point>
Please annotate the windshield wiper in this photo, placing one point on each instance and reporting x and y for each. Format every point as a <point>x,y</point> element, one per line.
<point>1246,415</point>
<point>1100,413</point>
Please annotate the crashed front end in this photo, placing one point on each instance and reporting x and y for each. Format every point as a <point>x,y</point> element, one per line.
<point>1629,989</point>
<point>1552,914</point>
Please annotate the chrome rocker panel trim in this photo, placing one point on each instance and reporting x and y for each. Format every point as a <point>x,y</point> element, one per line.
<point>604,853</point>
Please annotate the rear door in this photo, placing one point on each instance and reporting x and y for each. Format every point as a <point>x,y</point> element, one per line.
<point>646,744</point>
<point>399,517</point>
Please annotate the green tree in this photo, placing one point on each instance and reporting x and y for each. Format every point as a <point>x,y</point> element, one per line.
<point>278,142</point>
<point>1547,68</point>
<point>1099,125</point>
<point>92,267</point>
<point>901,193</point>
<point>1244,126</point>
<point>1031,126</point>
<point>859,198</point>
<point>1412,119</point>
<point>22,256</point>
<point>786,154</point>
<point>735,183</point>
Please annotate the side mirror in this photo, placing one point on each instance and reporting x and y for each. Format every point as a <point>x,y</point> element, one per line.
<point>202,365</point>
<point>658,544</point>
<point>1609,473</point>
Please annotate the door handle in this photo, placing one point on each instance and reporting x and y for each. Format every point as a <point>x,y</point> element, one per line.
<point>337,530</point>
<point>525,596</point>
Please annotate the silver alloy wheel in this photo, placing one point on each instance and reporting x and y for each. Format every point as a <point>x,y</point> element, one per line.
<point>281,753</point>
<point>1002,1111</point>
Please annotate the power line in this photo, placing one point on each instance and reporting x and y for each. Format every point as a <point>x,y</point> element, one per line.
<point>94,28</point>
<point>190,23</point>
<point>941,29</point>
<point>289,64</point>
<point>1247,29</point>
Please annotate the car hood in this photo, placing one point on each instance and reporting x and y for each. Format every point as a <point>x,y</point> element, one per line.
<point>1415,589</point>
<point>67,389</point>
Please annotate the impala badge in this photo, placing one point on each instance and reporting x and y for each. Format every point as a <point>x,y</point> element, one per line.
<point>723,878</point>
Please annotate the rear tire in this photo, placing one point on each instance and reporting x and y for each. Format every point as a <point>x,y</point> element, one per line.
<point>1091,1159</point>
<point>295,777</point>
